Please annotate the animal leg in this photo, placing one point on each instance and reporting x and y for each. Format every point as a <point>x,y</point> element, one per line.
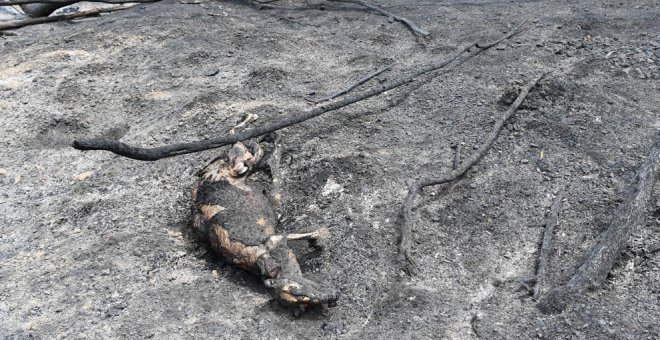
<point>317,239</point>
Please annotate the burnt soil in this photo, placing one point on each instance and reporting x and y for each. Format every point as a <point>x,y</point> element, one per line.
<point>93,245</point>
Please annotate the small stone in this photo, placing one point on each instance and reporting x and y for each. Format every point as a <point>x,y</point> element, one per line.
<point>329,327</point>
<point>85,175</point>
<point>473,185</point>
<point>210,72</point>
<point>113,311</point>
<point>653,248</point>
<point>524,161</point>
<point>496,281</point>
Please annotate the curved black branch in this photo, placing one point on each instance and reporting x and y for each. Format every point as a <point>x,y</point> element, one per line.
<point>411,25</point>
<point>406,233</point>
<point>602,256</point>
<point>156,153</point>
<point>350,87</point>
<point>546,244</point>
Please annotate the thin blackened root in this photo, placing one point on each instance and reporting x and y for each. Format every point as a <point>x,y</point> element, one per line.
<point>352,86</point>
<point>405,244</point>
<point>602,256</point>
<point>411,25</point>
<point>457,156</point>
<point>546,245</point>
<point>156,153</point>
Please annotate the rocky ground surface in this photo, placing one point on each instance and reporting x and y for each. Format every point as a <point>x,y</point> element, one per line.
<point>93,245</point>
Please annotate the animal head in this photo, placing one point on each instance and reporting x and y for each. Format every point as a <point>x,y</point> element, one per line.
<point>299,291</point>
<point>233,165</point>
<point>239,159</point>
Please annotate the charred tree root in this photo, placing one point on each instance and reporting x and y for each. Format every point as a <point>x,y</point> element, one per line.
<point>405,244</point>
<point>156,153</point>
<point>35,21</point>
<point>481,47</point>
<point>546,244</point>
<point>407,22</point>
<point>352,86</point>
<point>411,25</point>
<point>602,256</point>
<point>457,156</point>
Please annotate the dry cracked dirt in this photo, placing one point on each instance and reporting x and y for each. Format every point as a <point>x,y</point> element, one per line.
<point>93,245</point>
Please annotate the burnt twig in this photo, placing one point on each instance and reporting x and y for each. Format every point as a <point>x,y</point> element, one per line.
<point>35,21</point>
<point>472,53</point>
<point>351,86</point>
<point>411,25</point>
<point>156,153</point>
<point>602,256</point>
<point>406,233</point>
<point>457,156</point>
<point>546,245</point>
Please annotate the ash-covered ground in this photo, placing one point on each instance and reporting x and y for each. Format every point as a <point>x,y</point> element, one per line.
<point>93,245</point>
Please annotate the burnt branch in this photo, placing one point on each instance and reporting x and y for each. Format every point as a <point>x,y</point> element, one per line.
<point>457,156</point>
<point>35,21</point>
<point>406,233</point>
<point>156,153</point>
<point>350,87</point>
<point>546,244</point>
<point>407,22</point>
<point>471,54</point>
<point>602,256</point>
<point>411,25</point>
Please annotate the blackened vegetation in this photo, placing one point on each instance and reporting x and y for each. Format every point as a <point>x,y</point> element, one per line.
<point>364,4</point>
<point>352,86</point>
<point>594,269</point>
<point>546,244</point>
<point>406,233</point>
<point>461,55</point>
